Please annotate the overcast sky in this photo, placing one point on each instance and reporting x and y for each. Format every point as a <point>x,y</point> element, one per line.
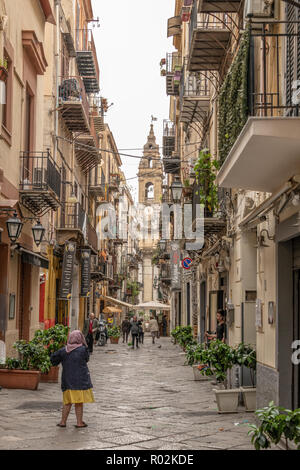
<point>131,41</point>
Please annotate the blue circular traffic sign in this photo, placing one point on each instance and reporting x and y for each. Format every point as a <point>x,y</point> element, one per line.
<point>186,263</point>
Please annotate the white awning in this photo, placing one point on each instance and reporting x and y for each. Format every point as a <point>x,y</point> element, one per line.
<point>265,155</point>
<point>116,301</point>
<point>153,305</point>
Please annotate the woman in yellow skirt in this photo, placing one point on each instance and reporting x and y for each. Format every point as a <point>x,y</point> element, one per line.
<point>76,383</point>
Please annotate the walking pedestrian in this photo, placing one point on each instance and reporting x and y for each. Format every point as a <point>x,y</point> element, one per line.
<point>164,325</point>
<point>134,328</point>
<point>76,383</point>
<point>89,331</point>
<point>125,329</point>
<point>141,331</point>
<point>153,326</point>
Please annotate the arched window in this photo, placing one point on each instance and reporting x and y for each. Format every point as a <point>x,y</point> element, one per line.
<point>149,191</point>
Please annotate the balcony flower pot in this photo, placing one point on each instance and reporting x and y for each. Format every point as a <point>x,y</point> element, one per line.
<point>114,339</point>
<point>51,376</point>
<point>227,400</point>
<point>197,373</point>
<point>3,74</point>
<point>20,379</point>
<point>249,396</point>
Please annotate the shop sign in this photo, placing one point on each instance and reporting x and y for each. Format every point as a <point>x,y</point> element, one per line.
<point>67,271</point>
<point>85,272</point>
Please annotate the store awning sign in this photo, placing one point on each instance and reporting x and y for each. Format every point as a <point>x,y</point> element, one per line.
<point>85,272</point>
<point>67,271</point>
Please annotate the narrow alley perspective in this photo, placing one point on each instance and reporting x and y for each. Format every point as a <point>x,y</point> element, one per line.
<point>150,228</point>
<point>144,399</point>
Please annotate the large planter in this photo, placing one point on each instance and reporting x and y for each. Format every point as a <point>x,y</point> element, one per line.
<point>24,379</point>
<point>197,374</point>
<point>114,340</point>
<point>249,395</point>
<point>227,400</point>
<point>51,376</point>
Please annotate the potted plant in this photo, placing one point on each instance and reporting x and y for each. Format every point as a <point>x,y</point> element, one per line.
<point>25,372</point>
<point>221,358</point>
<point>246,356</point>
<point>52,339</point>
<point>197,358</point>
<point>276,423</point>
<point>114,334</point>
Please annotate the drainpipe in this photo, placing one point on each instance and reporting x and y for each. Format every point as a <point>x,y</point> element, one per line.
<point>57,73</point>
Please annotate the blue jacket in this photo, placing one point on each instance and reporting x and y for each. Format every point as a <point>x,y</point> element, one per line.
<point>75,373</point>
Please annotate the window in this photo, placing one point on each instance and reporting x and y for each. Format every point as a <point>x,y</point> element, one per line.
<point>7,106</point>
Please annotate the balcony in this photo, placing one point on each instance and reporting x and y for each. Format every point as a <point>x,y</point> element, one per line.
<point>97,187</point>
<point>97,114</point>
<point>169,137</point>
<point>172,164</point>
<point>92,237</point>
<point>114,183</point>
<point>74,105</point>
<point>194,97</point>
<point>72,223</point>
<point>87,62</point>
<point>215,6</point>
<point>265,154</point>
<point>40,185</point>
<point>173,73</point>
<point>208,41</point>
<point>86,150</point>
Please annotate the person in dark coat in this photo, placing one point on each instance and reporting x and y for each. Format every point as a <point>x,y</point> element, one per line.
<point>164,325</point>
<point>134,329</point>
<point>141,331</point>
<point>76,382</point>
<point>125,329</point>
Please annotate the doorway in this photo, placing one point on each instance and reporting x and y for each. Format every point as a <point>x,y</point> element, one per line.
<point>25,296</point>
<point>296,336</point>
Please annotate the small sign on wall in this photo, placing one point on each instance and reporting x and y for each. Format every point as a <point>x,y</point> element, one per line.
<point>271,313</point>
<point>258,311</point>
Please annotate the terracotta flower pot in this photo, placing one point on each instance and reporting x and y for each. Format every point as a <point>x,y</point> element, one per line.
<point>114,340</point>
<point>24,379</point>
<point>51,376</point>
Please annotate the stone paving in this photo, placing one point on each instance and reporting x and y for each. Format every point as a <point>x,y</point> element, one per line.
<point>145,399</point>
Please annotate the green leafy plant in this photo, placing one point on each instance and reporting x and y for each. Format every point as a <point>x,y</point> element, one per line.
<point>221,358</point>
<point>52,339</point>
<point>205,170</point>
<point>275,423</point>
<point>183,335</point>
<point>114,332</point>
<point>245,355</point>
<point>233,99</point>
<point>196,354</point>
<point>134,287</point>
<point>32,356</point>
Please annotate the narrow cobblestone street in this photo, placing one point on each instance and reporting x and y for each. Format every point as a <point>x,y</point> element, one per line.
<point>145,399</point>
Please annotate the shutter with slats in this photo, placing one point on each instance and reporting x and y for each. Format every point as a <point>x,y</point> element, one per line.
<point>292,53</point>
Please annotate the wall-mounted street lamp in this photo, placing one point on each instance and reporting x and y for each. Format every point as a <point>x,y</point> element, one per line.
<point>176,188</point>
<point>14,227</point>
<point>38,232</point>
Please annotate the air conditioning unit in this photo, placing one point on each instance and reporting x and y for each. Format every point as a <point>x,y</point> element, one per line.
<point>261,11</point>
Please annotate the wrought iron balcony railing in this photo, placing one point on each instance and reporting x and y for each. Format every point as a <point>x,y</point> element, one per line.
<point>209,37</point>
<point>87,61</point>
<point>73,217</point>
<point>169,138</point>
<point>40,182</point>
<point>74,103</point>
<point>194,97</point>
<point>173,73</point>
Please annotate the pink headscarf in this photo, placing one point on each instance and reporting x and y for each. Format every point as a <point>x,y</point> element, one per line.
<point>75,340</point>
